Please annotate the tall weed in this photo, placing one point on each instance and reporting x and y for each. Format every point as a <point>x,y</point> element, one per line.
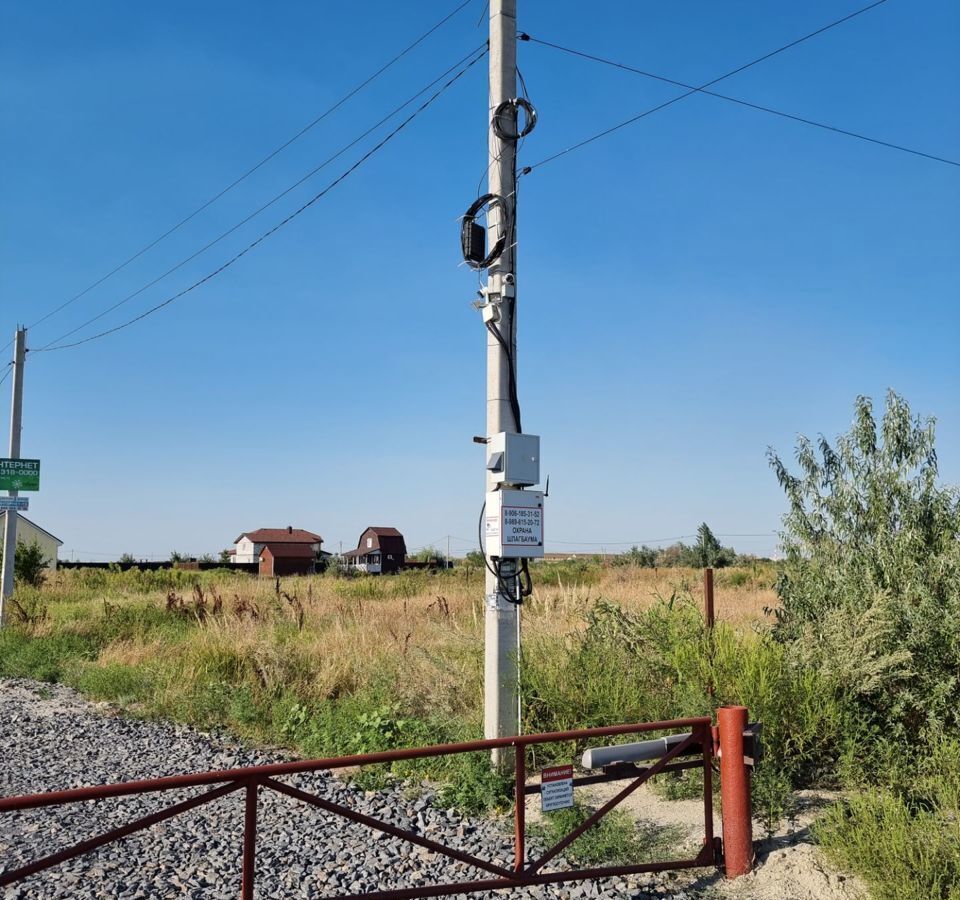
<point>903,853</point>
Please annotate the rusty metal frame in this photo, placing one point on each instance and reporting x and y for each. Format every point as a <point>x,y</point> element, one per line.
<point>251,779</point>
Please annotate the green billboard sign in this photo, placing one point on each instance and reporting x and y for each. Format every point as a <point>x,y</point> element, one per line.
<point>19,474</point>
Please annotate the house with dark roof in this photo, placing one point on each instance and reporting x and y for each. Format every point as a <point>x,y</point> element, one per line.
<point>380,551</point>
<point>279,551</point>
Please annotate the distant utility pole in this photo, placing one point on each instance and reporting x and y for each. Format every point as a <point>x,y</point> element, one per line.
<point>16,414</point>
<point>502,617</point>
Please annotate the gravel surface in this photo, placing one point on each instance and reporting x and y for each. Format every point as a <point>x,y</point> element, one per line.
<point>51,739</point>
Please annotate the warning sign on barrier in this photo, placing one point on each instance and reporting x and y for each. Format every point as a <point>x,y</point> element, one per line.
<point>556,788</point>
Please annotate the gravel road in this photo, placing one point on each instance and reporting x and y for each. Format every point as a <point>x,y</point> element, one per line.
<point>50,738</point>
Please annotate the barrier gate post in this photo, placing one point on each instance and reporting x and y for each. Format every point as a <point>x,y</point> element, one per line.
<point>735,792</point>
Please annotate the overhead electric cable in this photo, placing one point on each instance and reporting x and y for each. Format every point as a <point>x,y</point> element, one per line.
<point>345,174</point>
<point>690,93</point>
<point>747,103</point>
<point>350,94</point>
<point>679,537</point>
<point>470,56</point>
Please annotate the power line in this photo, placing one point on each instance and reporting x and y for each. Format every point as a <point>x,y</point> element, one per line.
<point>276,227</point>
<point>679,537</point>
<point>746,103</point>
<point>702,87</point>
<point>432,545</point>
<point>350,94</point>
<point>50,347</point>
<point>266,205</point>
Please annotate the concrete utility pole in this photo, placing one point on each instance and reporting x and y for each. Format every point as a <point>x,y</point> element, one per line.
<point>502,617</point>
<point>16,413</point>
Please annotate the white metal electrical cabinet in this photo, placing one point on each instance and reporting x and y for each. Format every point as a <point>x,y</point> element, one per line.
<point>513,524</point>
<point>514,458</point>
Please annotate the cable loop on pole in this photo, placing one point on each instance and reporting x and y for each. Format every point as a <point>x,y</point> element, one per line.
<point>466,226</point>
<point>514,106</point>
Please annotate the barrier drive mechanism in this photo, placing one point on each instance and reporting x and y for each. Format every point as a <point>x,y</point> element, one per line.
<point>693,748</point>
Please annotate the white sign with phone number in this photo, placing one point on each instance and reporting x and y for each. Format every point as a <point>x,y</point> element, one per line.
<point>522,526</point>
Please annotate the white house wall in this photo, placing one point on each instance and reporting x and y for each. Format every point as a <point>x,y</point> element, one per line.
<point>247,551</point>
<point>27,533</point>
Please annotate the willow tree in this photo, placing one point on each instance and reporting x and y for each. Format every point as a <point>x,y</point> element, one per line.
<point>870,585</point>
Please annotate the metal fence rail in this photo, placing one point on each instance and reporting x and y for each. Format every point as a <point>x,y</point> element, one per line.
<point>699,743</point>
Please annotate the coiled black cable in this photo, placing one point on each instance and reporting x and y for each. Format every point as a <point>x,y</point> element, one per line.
<point>470,217</point>
<point>514,105</point>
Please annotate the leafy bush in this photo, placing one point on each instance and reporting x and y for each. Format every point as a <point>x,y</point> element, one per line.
<point>707,551</point>
<point>29,564</point>
<point>870,588</point>
<point>474,559</point>
<point>368,721</point>
<point>430,555</point>
<point>870,600</point>
<point>473,786</point>
<point>643,557</point>
<point>658,664</point>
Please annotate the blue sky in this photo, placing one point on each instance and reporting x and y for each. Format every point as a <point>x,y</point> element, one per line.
<point>705,283</point>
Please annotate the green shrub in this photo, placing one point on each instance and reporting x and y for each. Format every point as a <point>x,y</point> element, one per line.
<point>870,601</point>
<point>659,664</point>
<point>903,853</point>
<point>642,557</point>
<point>472,786</point>
<point>870,588</point>
<point>29,564</point>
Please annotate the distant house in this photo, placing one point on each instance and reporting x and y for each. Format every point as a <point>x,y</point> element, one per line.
<point>287,559</point>
<point>380,550</point>
<point>28,532</point>
<point>250,544</point>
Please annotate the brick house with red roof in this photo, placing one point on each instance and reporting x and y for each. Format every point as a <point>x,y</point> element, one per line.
<point>279,551</point>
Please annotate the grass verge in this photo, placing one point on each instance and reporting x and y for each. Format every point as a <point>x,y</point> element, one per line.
<point>615,839</point>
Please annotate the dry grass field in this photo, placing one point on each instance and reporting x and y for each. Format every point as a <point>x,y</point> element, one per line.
<point>327,637</point>
<point>331,665</point>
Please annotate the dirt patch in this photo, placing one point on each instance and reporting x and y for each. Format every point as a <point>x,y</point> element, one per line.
<point>789,865</point>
